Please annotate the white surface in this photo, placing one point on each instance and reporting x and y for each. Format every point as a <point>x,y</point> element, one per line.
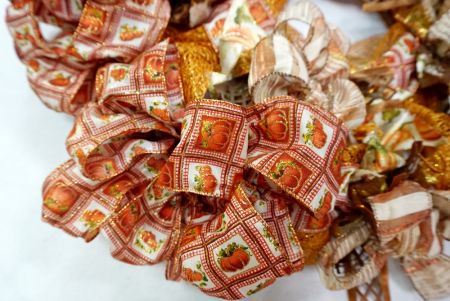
<point>39,262</point>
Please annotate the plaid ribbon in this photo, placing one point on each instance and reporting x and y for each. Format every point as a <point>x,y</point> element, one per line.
<point>190,205</point>
<point>305,57</point>
<point>221,200</point>
<point>61,70</point>
<point>405,227</point>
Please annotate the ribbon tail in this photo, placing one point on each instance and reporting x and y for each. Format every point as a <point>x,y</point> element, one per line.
<point>429,275</point>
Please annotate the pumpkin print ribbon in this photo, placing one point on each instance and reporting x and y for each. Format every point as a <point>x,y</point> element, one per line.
<point>61,70</point>
<point>189,204</point>
<point>191,197</point>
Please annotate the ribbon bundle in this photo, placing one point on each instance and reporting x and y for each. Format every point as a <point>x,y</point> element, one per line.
<point>237,192</point>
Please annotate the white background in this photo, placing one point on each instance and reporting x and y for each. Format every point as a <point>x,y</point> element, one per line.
<point>41,263</point>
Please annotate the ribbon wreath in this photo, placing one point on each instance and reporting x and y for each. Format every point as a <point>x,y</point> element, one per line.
<point>227,194</point>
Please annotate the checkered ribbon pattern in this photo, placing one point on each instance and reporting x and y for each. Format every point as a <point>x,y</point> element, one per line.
<point>218,190</point>
<point>61,70</point>
<point>189,200</point>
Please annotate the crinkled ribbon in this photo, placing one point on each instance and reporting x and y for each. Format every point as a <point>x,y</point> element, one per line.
<point>405,226</point>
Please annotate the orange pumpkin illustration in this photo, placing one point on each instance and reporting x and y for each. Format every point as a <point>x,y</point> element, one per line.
<point>93,217</point>
<point>19,36</point>
<point>60,198</point>
<point>34,65</point>
<point>275,125</point>
<point>204,169</point>
<point>167,211</point>
<point>143,2</point>
<point>172,76</point>
<point>72,51</point>
<point>410,44</point>
<point>128,33</point>
<point>325,203</point>
<point>215,134</point>
<point>157,191</point>
<point>209,183</point>
<point>160,113</point>
<point>288,173</point>
<point>218,26</point>
<point>59,51</point>
<point>79,154</point>
<point>119,187</point>
<point>60,80</point>
<point>425,130</point>
<point>101,169</point>
<point>165,176</point>
<point>118,74</point>
<point>25,35</point>
<point>205,180</point>
<point>233,258</point>
<point>315,133</point>
<point>149,239</point>
<point>258,12</point>
<point>128,217</point>
<point>190,234</point>
<point>390,59</point>
<point>19,4</point>
<point>138,150</point>
<point>192,276</point>
<point>155,164</point>
<point>153,68</point>
<point>92,20</point>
